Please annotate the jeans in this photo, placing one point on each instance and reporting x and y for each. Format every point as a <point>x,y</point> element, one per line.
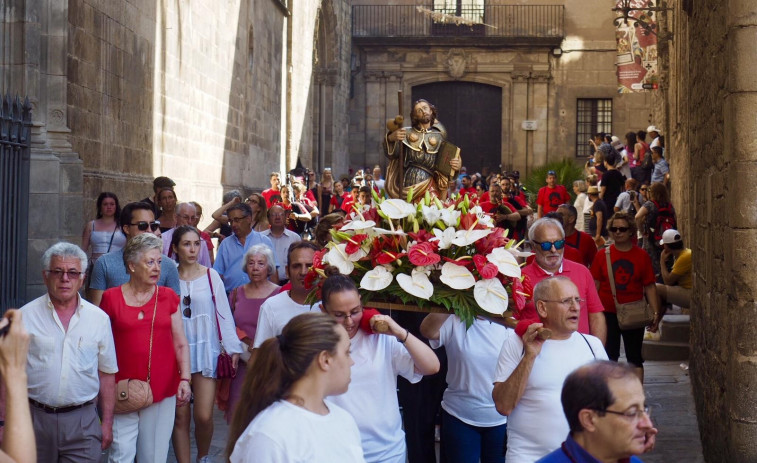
<point>463,443</point>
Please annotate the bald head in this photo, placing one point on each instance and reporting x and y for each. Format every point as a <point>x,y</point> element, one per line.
<point>185,214</point>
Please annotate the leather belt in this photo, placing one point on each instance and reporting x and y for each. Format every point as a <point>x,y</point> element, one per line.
<point>66,409</point>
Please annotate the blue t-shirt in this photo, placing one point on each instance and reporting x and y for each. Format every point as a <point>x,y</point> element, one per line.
<point>576,451</point>
<point>229,259</point>
<point>110,272</point>
<point>660,169</point>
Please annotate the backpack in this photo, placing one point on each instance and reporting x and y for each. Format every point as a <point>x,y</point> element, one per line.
<point>664,221</point>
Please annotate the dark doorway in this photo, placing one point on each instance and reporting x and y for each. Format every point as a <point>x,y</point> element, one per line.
<point>472,115</point>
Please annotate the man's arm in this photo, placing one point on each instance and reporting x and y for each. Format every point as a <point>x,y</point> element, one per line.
<point>600,221</point>
<point>95,296</point>
<point>107,403</point>
<point>668,277</point>
<point>539,211</point>
<point>97,283</point>
<point>432,324</point>
<point>507,394</point>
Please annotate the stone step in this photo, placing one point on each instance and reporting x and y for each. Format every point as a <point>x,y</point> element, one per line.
<point>675,328</point>
<point>665,350</point>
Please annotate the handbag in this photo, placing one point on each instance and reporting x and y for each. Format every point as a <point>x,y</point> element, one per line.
<point>631,315</point>
<point>134,394</point>
<point>225,366</point>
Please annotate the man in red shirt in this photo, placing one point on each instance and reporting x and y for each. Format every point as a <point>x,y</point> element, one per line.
<point>551,195</point>
<point>548,233</point>
<point>467,186</point>
<point>581,241</point>
<point>273,195</point>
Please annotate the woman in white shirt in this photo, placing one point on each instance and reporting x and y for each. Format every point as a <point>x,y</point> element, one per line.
<point>284,417</point>
<point>579,188</point>
<point>472,429</point>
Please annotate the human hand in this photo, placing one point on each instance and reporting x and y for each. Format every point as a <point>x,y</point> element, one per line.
<point>456,163</point>
<point>394,329</point>
<point>183,394</point>
<point>234,360</point>
<point>107,432</point>
<point>532,343</point>
<point>397,135</point>
<point>14,345</point>
<point>654,326</point>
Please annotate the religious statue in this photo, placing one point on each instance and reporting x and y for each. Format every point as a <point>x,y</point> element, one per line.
<point>415,154</point>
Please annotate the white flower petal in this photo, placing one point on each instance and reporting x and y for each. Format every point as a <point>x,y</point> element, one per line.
<point>505,262</point>
<point>358,225</point>
<point>418,285</point>
<point>431,214</point>
<point>357,255</point>
<point>384,231</point>
<point>450,217</point>
<point>485,219</point>
<point>491,296</point>
<point>466,237</point>
<point>457,276</point>
<point>338,257</point>
<point>397,208</point>
<point>444,237</point>
<point>376,279</point>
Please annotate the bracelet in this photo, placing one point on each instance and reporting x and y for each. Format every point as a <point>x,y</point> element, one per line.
<point>185,379</point>
<point>407,333</point>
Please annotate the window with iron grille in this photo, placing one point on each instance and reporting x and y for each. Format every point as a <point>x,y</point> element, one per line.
<point>593,115</point>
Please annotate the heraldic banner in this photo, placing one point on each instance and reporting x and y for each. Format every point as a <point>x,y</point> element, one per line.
<point>636,62</point>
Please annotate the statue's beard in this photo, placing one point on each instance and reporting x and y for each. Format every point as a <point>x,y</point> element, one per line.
<point>418,120</point>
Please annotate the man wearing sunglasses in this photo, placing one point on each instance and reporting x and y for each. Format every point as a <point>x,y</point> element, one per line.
<point>548,243</point>
<point>606,410</point>
<point>110,271</point>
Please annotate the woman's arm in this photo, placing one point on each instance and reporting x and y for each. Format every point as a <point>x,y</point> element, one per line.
<point>426,361</point>
<point>85,235</point>
<point>432,324</point>
<point>641,215</point>
<point>181,349</point>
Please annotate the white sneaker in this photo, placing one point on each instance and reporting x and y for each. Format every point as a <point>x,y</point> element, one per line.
<point>205,459</point>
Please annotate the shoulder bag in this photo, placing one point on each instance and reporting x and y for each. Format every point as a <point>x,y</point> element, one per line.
<point>134,394</point>
<point>224,367</point>
<point>631,315</point>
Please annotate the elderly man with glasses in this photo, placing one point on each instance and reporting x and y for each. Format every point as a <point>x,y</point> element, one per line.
<point>110,271</point>
<point>71,361</point>
<point>606,410</point>
<point>186,214</point>
<point>530,371</point>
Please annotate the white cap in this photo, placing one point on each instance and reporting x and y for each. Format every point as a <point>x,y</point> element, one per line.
<point>652,128</point>
<point>670,236</point>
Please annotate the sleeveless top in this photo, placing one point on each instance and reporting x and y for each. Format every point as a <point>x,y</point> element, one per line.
<point>101,241</point>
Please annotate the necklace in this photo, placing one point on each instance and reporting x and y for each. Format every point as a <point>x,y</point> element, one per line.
<point>140,303</point>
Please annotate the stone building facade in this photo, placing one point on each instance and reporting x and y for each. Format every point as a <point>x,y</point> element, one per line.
<point>709,101</point>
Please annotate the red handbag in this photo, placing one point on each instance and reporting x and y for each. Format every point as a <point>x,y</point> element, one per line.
<point>225,367</point>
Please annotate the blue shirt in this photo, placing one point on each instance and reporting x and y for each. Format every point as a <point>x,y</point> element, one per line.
<point>577,452</point>
<point>660,169</point>
<point>110,272</point>
<point>229,258</point>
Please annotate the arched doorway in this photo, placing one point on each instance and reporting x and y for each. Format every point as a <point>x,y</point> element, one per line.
<point>472,114</point>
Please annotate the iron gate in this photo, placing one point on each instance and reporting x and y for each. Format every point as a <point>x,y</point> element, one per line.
<point>15,133</point>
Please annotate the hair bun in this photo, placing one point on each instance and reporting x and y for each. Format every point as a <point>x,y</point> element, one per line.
<point>330,271</point>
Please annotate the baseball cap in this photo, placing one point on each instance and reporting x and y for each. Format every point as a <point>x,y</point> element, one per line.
<point>670,236</point>
<point>652,128</point>
<point>551,172</point>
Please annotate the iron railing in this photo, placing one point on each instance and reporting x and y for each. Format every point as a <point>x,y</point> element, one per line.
<point>514,21</point>
<point>15,142</point>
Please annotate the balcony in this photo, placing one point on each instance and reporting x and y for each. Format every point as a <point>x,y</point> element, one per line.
<point>496,25</point>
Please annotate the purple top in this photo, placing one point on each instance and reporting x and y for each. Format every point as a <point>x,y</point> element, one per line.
<point>246,310</point>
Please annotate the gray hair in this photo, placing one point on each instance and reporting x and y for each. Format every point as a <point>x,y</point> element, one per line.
<point>184,204</point>
<point>544,221</point>
<point>543,291</point>
<point>140,244</point>
<point>64,249</point>
<point>581,185</point>
<point>231,194</point>
<point>260,249</point>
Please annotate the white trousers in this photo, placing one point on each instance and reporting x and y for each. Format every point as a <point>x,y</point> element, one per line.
<point>144,434</point>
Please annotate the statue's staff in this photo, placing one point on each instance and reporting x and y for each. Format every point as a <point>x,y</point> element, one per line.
<point>396,124</point>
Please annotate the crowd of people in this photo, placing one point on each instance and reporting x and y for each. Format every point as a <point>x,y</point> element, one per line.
<point>168,303</point>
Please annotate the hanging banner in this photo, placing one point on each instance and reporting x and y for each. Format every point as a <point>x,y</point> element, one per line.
<point>636,62</point>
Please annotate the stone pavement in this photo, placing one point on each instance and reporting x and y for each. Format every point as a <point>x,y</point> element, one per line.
<point>669,396</point>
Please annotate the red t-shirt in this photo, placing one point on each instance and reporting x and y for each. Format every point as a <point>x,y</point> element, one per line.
<point>484,197</point>
<point>271,196</point>
<point>339,202</point>
<point>206,237</point>
<point>131,337</point>
<point>581,277</point>
<point>585,245</point>
<point>633,271</point>
<point>550,198</point>
<point>471,191</point>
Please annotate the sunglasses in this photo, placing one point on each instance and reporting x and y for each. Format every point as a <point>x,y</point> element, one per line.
<point>618,229</point>
<point>142,226</point>
<point>547,245</point>
<point>187,302</point>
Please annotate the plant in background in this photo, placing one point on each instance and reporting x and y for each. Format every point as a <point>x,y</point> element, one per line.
<point>567,172</point>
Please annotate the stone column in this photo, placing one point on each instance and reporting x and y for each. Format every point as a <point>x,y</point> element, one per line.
<point>519,103</point>
<point>375,113</point>
<point>540,114</point>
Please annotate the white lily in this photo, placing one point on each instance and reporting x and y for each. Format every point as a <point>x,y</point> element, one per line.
<point>450,217</point>
<point>484,219</point>
<point>384,231</point>
<point>431,214</point>
<point>376,279</point>
<point>457,276</point>
<point>358,224</point>
<point>338,257</point>
<point>505,262</point>
<point>418,284</point>
<point>466,237</point>
<point>491,296</point>
<point>444,237</point>
<point>397,208</point>
<point>476,210</point>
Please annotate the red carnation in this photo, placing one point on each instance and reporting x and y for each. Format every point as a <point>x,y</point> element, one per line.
<point>423,254</point>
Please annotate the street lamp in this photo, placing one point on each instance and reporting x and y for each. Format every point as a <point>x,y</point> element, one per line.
<point>643,20</point>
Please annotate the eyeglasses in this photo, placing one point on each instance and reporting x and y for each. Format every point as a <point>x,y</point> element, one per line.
<point>569,301</point>
<point>644,189</point>
<point>237,219</point>
<point>72,274</point>
<point>547,245</point>
<point>187,302</point>
<point>633,414</point>
<point>142,226</point>
<point>618,229</point>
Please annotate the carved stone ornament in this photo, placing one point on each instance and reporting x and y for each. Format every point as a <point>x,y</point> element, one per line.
<point>456,63</point>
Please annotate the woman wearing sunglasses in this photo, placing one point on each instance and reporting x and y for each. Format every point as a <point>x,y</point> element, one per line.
<point>634,278</point>
<point>204,309</point>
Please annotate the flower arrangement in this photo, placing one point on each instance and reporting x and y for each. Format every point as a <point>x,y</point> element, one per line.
<point>448,254</point>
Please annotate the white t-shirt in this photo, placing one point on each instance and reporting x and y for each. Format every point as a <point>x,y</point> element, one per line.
<point>275,313</point>
<point>372,395</point>
<point>286,433</point>
<point>470,369</point>
<point>537,425</point>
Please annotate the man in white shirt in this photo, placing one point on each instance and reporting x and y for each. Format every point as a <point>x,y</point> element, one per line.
<point>71,360</point>
<point>654,135</point>
<point>281,237</point>
<point>279,309</point>
<point>531,371</point>
<point>185,214</point>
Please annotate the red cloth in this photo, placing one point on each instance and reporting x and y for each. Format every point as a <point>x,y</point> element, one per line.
<point>484,197</point>
<point>206,237</point>
<point>580,276</point>
<point>311,197</point>
<point>585,245</point>
<point>633,271</point>
<point>550,198</point>
<point>365,322</point>
<point>471,191</point>
<point>271,196</point>
<point>131,337</point>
